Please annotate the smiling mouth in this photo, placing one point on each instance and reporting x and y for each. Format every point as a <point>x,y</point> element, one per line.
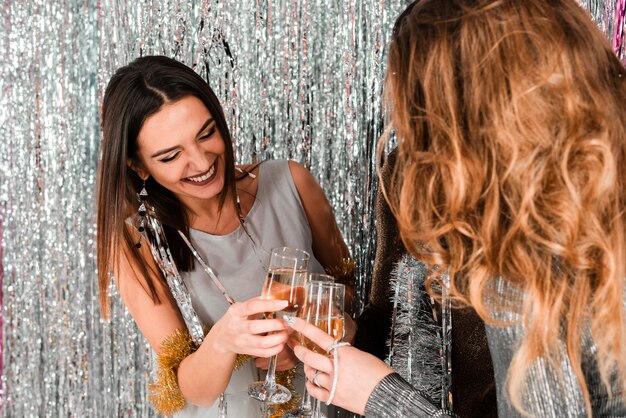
<point>203,178</point>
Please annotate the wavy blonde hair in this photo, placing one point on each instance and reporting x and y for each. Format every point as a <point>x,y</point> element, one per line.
<point>512,162</point>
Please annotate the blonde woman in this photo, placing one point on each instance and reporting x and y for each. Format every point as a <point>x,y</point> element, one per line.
<point>510,177</point>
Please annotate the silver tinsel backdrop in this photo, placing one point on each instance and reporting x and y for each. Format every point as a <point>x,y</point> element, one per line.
<point>299,79</point>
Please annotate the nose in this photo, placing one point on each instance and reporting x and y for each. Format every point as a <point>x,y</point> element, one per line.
<point>199,160</point>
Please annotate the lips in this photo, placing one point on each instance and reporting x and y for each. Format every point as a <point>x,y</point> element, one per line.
<point>203,178</point>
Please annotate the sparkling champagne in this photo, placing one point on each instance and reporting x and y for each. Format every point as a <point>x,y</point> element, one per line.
<point>285,284</point>
<point>333,326</point>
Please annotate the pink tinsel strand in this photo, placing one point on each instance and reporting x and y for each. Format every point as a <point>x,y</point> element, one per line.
<point>618,27</point>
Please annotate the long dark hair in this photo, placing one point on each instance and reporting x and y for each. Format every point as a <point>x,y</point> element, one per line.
<point>135,92</point>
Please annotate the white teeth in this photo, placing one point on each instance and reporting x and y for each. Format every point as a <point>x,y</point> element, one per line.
<point>204,177</point>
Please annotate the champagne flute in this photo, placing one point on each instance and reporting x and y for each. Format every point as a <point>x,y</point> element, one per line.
<point>286,280</point>
<point>324,308</point>
<point>305,410</point>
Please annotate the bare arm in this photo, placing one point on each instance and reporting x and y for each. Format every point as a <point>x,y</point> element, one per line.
<point>203,375</point>
<point>328,244</point>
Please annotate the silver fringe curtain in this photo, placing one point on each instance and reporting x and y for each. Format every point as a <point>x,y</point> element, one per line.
<point>298,79</point>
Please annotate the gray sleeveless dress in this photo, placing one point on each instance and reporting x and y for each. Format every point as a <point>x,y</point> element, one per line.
<point>277,219</point>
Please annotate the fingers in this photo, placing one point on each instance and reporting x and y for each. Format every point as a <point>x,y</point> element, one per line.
<point>265,353</point>
<point>310,331</point>
<point>323,380</point>
<point>314,360</point>
<point>262,326</point>
<point>317,392</point>
<point>257,305</point>
<point>282,363</point>
<point>267,341</point>
<point>260,345</point>
<point>286,360</point>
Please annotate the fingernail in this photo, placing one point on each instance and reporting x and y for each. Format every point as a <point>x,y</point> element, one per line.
<point>283,303</point>
<point>291,320</point>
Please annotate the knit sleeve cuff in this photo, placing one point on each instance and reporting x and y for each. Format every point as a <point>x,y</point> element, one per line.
<point>394,397</point>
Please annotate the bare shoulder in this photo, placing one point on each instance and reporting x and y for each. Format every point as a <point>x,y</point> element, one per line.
<point>129,274</point>
<point>328,245</point>
<point>304,180</point>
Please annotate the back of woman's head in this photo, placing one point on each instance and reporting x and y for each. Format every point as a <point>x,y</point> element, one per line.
<point>511,163</point>
<point>135,92</point>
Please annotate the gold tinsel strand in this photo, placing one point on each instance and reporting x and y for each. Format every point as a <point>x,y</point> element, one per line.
<point>241,360</point>
<point>344,272</point>
<point>164,393</point>
<point>286,378</point>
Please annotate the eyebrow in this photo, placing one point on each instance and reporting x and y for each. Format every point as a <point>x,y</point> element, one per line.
<point>165,151</point>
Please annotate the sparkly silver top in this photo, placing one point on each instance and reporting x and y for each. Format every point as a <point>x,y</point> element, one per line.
<point>546,397</point>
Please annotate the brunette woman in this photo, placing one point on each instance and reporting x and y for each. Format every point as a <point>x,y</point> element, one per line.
<point>167,149</point>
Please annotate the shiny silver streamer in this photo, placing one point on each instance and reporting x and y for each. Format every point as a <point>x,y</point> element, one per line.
<point>610,16</point>
<point>420,341</point>
<point>163,257</point>
<point>298,79</point>
<point>58,356</point>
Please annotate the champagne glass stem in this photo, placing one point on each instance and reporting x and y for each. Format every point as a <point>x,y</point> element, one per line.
<point>305,409</point>
<point>265,410</point>
<point>286,279</point>
<point>306,401</point>
<point>316,409</point>
<point>270,378</point>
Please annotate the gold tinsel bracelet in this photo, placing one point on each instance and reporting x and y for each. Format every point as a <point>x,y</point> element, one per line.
<point>165,395</point>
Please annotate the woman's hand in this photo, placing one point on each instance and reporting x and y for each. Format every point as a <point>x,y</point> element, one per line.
<point>286,360</point>
<point>358,372</point>
<point>239,331</point>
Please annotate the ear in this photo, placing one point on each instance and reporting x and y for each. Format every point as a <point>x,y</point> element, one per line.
<point>137,168</point>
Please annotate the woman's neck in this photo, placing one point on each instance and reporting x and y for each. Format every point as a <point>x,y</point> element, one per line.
<point>207,216</point>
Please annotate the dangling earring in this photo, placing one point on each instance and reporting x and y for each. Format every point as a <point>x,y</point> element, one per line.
<point>142,213</point>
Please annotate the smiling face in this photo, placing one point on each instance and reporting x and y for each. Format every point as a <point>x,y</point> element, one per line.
<point>182,149</point>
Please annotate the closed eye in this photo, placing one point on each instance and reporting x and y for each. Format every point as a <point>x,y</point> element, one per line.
<point>204,137</point>
<point>208,135</point>
<point>170,158</point>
